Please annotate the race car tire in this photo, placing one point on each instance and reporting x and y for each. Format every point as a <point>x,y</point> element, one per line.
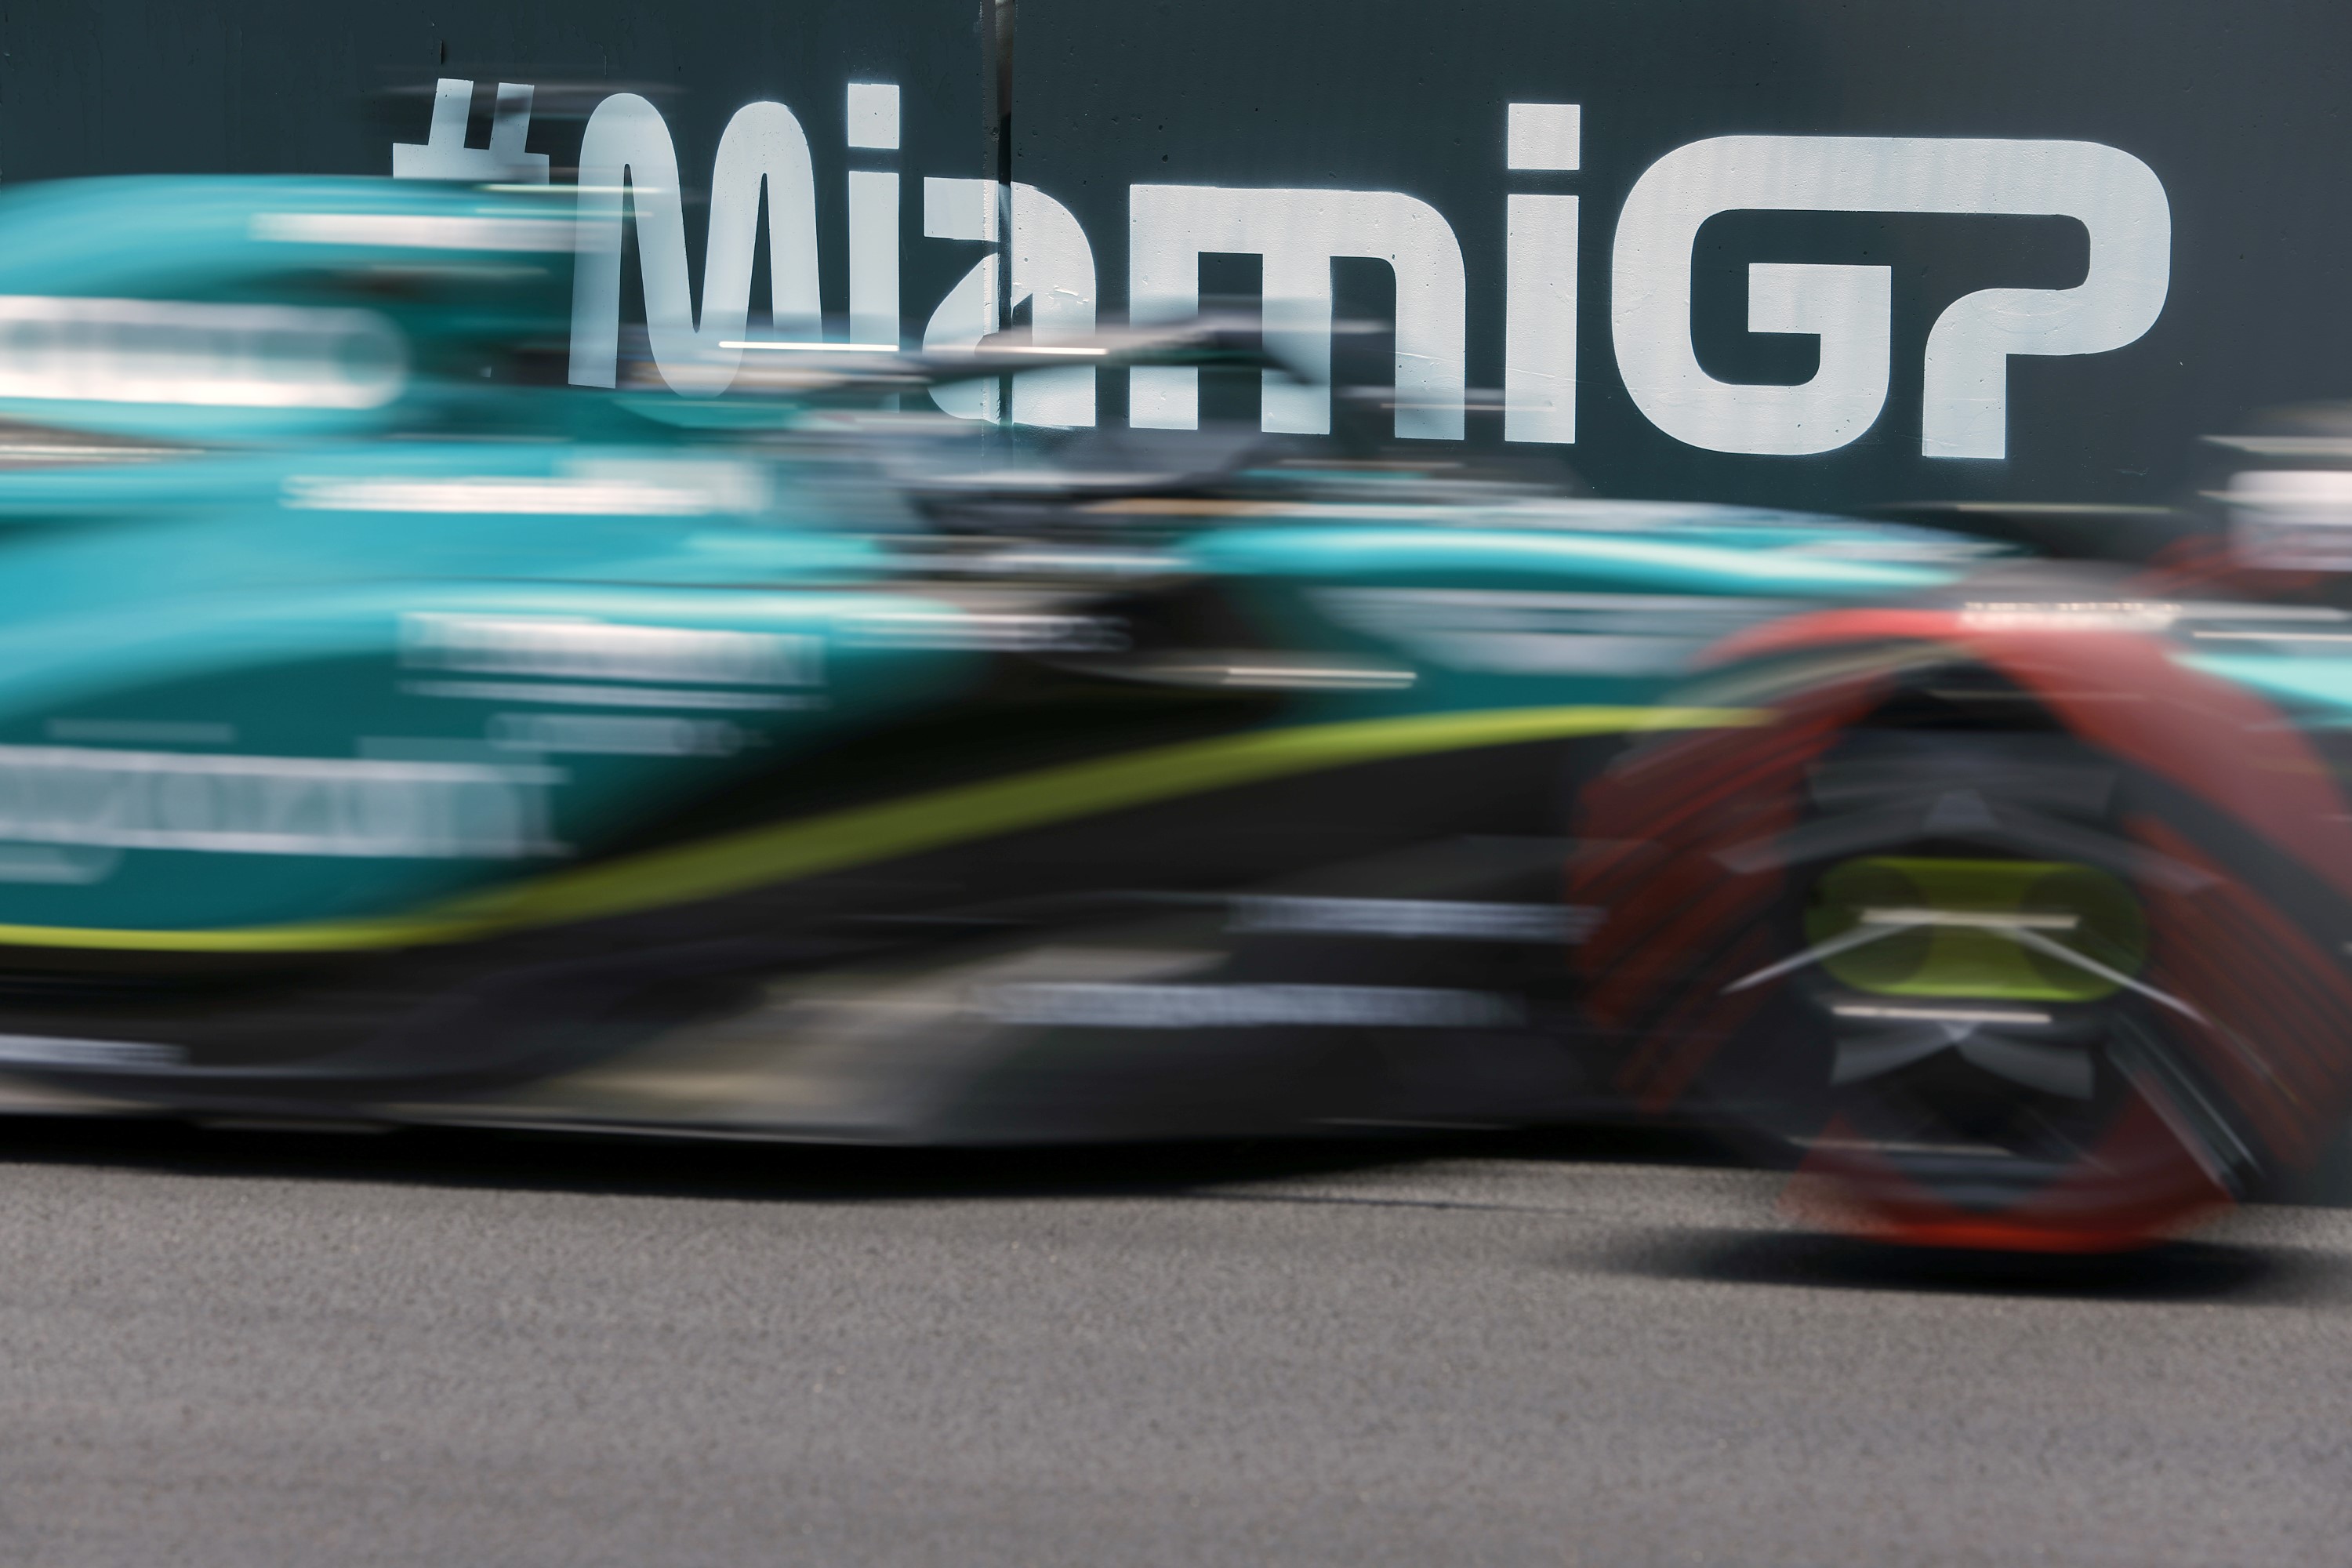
<point>2016,931</point>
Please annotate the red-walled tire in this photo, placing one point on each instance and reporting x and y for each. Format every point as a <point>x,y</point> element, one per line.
<point>2024,934</point>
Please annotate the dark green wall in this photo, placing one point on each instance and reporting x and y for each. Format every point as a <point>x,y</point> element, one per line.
<point>2239,108</point>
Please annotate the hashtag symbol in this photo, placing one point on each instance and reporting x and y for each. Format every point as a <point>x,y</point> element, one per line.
<point>443,155</point>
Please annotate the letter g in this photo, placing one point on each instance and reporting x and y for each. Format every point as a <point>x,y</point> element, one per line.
<point>2113,195</point>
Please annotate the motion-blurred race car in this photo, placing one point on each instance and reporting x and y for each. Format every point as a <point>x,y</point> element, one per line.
<point>390,732</point>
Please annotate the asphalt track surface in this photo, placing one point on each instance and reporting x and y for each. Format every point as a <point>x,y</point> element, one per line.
<point>254,1350</point>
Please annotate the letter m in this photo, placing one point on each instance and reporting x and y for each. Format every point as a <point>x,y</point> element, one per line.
<point>1299,233</point>
<point>626,155</point>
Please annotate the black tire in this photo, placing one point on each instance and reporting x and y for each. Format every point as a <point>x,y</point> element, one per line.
<point>2004,964</point>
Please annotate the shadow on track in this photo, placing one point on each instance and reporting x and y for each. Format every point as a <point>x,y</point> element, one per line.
<point>620,1164</point>
<point>2212,1271</point>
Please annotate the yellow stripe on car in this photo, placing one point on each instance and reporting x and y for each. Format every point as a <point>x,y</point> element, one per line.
<point>934,819</point>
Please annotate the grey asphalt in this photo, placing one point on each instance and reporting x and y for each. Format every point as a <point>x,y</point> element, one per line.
<point>253,1349</point>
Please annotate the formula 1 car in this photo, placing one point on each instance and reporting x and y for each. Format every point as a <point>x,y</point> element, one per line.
<point>391,733</point>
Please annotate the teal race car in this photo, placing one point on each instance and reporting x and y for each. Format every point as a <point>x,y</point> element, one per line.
<point>392,731</point>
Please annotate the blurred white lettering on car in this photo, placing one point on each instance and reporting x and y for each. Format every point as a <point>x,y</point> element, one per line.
<point>176,352</point>
<point>275,805</point>
<point>1511,632</point>
<point>66,1051</point>
<point>1109,1005</point>
<point>416,231</point>
<point>594,650</point>
<point>494,495</point>
<point>1449,919</point>
<point>616,734</point>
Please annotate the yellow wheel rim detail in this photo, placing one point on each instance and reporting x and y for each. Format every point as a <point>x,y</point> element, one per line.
<point>1979,928</point>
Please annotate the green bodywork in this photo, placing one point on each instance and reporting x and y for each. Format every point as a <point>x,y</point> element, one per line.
<point>297,678</point>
